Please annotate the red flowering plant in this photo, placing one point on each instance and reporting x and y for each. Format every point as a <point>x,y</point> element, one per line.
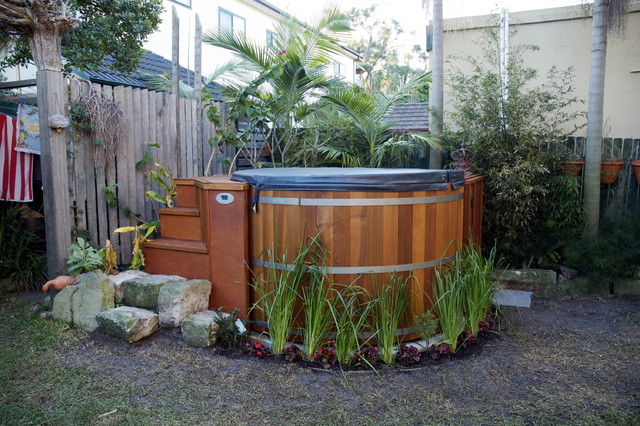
<point>326,355</point>
<point>257,349</point>
<point>439,351</point>
<point>292,353</point>
<point>367,355</point>
<point>408,355</point>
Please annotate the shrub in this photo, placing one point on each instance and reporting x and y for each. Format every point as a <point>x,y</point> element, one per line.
<point>511,125</point>
<point>228,334</point>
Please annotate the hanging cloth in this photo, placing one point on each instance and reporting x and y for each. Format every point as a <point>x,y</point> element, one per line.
<point>17,167</point>
<point>28,130</point>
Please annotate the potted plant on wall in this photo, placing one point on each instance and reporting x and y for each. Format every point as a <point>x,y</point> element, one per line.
<point>636,170</point>
<point>572,168</point>
<point>609,170</point>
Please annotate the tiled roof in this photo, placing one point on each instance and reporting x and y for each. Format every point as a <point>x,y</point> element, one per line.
<point>409,117</point>
<point>149,63</point>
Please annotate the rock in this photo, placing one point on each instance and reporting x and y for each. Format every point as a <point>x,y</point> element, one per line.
<point>120,278</point>
<point>94,295</point>
<point>626,288</point>
<point>143,292</point>
<point>200,329</point>
<point>538,281</point>
<point>179,299</point>
<point>128,323</point>
<point>580,286</point>
<point>62,307</point>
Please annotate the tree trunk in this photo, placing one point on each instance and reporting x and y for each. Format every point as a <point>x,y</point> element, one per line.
<point>593,157</point>
<point>436,91</point>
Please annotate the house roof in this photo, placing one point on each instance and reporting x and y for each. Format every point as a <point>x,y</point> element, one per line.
<point>149,63</point>
<point>409,117</point>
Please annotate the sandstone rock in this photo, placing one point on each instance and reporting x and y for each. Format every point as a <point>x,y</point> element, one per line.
<point>128,323</point>
<point>200,329</point>
<point>123,276</point>
<point>627,288</point>
<point>179,299</point>
<point>580,286</point>
<point>143,292</point>
<point>94,295</point>
<point>62,308</point>
<point>538,281</point>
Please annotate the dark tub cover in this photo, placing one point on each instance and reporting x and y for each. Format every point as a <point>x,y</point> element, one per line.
<point>350,179</point>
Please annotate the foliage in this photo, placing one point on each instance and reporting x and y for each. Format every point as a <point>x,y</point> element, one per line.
<point>449,304</point>
<point>111,27</point>
<point>84,257</point>
<point>389,308</point>
<point>478,285</point>
<point>510,124</point>
<point>110,264</point>
<point>292,353</point>
<point>378,48</point>
<point>142,233</point>
<point>278,289</point>
<point>20,259</point>
<point>350,318</point>
<point>613,254</point>
<point>377,145</point>
<point>279,82</point>
<point>408,355</point>
<point>228,336</point>
<point>427,325</point>
<point>169,187</point>
<point>315,305</point>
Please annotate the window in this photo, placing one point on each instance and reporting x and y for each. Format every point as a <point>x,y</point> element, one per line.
<point>231,21</point>
<point>271,39</point>
<point>339,69</point>
<point>186,3</point>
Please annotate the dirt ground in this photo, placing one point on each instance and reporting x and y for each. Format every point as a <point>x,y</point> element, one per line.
<point>570,361</point>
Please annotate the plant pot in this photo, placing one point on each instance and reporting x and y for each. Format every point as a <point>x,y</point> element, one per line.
<point>609,171</point>
<point>572,168</point>
<point>636,170</point>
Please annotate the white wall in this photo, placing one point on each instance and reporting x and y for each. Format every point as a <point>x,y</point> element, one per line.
<point>564,37</point>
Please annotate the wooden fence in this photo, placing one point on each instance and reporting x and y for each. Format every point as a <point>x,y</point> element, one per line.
<point>149,116</point>
<point>625,192</point>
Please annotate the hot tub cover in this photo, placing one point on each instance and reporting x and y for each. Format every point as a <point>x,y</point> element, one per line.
<point>350,179</point>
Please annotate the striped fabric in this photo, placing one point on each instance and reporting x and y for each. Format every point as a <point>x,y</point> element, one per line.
<point>17,167</point>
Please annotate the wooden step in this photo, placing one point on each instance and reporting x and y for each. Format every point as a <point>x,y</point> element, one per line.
<point>186,193</point>
<point>176,244</point>
<point>179,211</point>
<point>181,223</point>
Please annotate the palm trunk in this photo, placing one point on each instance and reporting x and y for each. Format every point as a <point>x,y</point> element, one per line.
<point>435,91</point>
<point>593,155</point>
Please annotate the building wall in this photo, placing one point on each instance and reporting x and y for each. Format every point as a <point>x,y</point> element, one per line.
<point>258,19</point>
<point>564,37</point>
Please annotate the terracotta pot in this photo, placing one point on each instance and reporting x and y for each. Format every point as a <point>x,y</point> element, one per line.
<point>636,170</point>
<point>572,168</point>
<point>609,171</point>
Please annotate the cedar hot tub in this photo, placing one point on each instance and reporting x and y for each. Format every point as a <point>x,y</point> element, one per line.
<point>373,222</point>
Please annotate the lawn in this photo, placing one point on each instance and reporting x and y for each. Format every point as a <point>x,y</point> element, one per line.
<point>579,366</point>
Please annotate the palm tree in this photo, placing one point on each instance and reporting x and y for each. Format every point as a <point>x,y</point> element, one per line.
<point>282,81</point>
<point>608,16</point>
<point>368,111</point>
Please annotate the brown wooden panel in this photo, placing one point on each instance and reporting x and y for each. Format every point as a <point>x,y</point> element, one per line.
<point>183,227</point>
<point>186,193</point>
<point>122,173</point>
<point>172,262</point>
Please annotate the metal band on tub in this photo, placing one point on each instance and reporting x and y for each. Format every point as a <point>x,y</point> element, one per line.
<point>360,201</point>
<point>353,270</point>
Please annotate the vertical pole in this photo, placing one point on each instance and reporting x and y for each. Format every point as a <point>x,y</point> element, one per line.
<point>175,84</point>
<point>197,88</point>
<point>436,101</point>
<point>52,97</point>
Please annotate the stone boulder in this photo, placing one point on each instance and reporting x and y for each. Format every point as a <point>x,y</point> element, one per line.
<point>123,276</point>
<point>128,323</point>
<point>62,309</point>
<point>143,292</point>
<point>177,300</point>
<point>94,295</point>
<point>538,281</point>
<point>200,329</point>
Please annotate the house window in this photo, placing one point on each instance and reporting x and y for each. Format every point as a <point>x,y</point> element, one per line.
<point>271,39</point>
<point>231,21</point>
<point>339,69</point>
<point>186,3</point>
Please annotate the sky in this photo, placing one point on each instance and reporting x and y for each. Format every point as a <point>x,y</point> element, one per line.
<point>411,15</point>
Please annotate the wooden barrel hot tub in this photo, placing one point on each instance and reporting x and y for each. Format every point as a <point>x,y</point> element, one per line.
<point>373,222</point>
